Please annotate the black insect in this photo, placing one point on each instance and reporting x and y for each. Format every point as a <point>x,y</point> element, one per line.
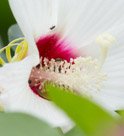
<point>51,28</point>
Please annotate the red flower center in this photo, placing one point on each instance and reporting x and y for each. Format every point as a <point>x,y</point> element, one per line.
<point>50,47</point>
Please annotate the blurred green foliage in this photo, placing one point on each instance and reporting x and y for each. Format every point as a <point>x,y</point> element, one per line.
<point>91,118</point>
<point>121,113</point>
<point>76,131</point>
<point>18,124</point>
<point>6,20</point>
<point>14,32</point>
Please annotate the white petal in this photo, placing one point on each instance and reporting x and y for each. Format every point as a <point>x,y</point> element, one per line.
<point>35,17</point>
<point>83,20</point>
<point>78,21</point>
<point>16,94</point>
<point>112,95</point>
<point>26,29</point>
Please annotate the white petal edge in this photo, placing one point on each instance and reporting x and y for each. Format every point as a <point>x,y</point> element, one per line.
<point>16,95</point>
<point>26,29</point>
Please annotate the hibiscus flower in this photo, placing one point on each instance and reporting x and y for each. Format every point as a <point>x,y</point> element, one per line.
<point>64,48</point>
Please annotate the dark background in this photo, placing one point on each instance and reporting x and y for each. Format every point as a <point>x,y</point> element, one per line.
<point>6,20</point>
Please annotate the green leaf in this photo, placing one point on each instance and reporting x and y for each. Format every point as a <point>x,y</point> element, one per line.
<point>121,113</point>
<point>14,32</point>
<point>75,132</point>
<point>18,124</point>
<point>91,118</point>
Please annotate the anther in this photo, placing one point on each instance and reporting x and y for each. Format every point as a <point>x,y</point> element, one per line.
<point>54,68</point>
<point>58,59</point>
<point>60,69</point>
<point>38,66</point>
<point>29,81</point>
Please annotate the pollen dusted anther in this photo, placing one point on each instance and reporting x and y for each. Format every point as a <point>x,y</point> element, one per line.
<point>77,74</point>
